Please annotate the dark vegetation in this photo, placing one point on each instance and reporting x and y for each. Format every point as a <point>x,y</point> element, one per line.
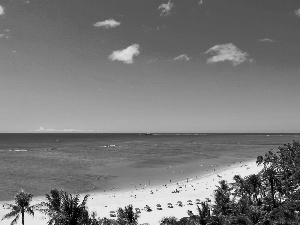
<point>271,197</point>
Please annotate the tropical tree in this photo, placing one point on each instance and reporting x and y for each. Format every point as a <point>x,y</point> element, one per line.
<point>52,207</point>
<point>127,216</point>
<point>65,209</point>
<point>105,221</point>
<point>169,221</point>
<point>93,219</point>
<point>223,202</point>
<point>21,206</point>
<point>203,216</point>
<point>254,184</point>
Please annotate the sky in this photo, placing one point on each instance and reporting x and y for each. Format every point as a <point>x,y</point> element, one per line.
<point>195,66</point>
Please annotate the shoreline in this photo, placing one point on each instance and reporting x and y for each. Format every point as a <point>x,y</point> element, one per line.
<point>194,188</point>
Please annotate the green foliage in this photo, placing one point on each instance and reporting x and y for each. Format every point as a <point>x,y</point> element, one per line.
<point>21,206</point>
<point>270,197</point>
<point>100,221</point>
<point>222,199</point>
<point>168,221</point>
<point>127,216</point>
<point>65,209</point>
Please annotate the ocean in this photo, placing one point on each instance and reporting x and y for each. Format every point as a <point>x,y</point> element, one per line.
<point>82,163</point>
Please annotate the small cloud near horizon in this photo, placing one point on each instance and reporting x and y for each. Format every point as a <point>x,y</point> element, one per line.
<point>227,52</point>
<point>201,2</point>
<point>1,10</point>
<point>42,129</point>
<point>5,34</point>
<point>110,23</point>
<point>266,40</point>
<point>183,57</point>
<point>166,8</point>
<point>126,55</point>
<point>297,12</point>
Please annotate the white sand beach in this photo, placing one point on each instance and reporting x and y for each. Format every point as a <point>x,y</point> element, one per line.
<point>191,189</point>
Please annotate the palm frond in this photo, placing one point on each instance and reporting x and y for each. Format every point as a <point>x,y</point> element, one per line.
<point>15,220</point>
<point>29,210</point>
<point>84,201</point>
<point>11,214</point>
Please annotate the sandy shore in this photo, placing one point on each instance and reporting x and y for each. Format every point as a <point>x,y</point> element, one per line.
<point>139,196</point>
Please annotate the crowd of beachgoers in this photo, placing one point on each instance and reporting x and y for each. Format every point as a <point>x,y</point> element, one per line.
<point>265,191</point>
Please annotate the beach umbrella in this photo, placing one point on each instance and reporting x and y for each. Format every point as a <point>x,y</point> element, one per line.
<point>190,202</point>
<point>169,203</point>
<point>158,205</point>
<point>112,213</point>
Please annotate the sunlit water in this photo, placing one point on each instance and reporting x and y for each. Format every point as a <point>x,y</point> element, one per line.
<point>98,162</point>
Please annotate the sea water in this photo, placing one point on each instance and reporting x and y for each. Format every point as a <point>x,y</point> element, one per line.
<point>98,162</point>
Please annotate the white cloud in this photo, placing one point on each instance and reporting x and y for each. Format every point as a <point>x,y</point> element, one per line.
<point>107,23</point>
<point>266,40</point>
<point>151,61</point>
<point>182,57</point>
<point>42,129</point>
<point>297,12</point>
<point>227,52</point>
<point>166,8</point>
<point>1,10</point>
<point>5,34</point>
<point>201,2</point>
<point>125,55</point>
<point>70,130</point>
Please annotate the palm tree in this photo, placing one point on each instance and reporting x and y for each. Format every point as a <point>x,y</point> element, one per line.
<point>127,216</point>
<point>22,206</point>
<point>53,207</point>
<point>203,216</point>
<point>65,209</point>
<point>93,219</point>
<point>223,202</point>
<point>168,221</point>
<point>105,221</point>
<point>270,176</point>
<point>254,182</point>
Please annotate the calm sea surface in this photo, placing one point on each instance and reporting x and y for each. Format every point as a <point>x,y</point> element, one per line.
<point>98,162</point>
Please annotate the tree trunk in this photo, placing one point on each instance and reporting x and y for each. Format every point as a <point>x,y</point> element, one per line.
<point>22,217</point>
<point>272,192</point>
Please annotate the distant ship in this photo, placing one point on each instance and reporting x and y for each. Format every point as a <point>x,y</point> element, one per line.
<point>148,134</point>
